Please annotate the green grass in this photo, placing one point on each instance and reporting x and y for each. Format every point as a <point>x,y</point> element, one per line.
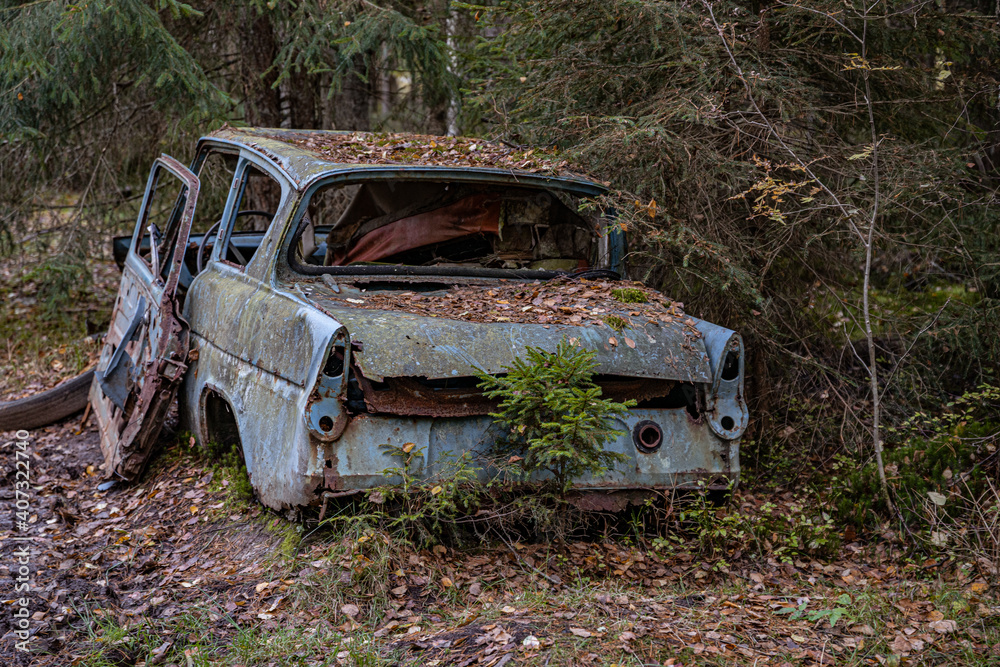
<point>616,323</point>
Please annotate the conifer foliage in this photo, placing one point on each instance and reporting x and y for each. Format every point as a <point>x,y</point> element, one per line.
<point>741,138</point>
<point>555,417</point>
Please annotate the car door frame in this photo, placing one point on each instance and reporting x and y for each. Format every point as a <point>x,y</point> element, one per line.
<point>271,234</point>
<point>145,351</point>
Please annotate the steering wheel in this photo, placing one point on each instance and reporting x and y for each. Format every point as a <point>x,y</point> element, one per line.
<point>214,231</point>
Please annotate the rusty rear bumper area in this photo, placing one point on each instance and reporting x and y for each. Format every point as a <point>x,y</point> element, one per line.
<point>689,453</point>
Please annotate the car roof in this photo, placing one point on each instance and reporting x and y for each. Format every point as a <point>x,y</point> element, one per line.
<point>306,156</point>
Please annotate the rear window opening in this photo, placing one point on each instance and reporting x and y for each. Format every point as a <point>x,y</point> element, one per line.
<point>452,229</point>
<point>398,285</point>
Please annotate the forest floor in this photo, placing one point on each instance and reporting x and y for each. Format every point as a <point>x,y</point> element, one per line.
<point>182,569</point>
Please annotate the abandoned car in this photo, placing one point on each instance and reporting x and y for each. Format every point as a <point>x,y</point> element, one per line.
<point>314,296</point>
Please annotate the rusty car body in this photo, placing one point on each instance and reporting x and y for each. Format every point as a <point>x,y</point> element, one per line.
<point>386,270</point>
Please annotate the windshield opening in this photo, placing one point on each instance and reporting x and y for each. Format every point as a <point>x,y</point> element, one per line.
<point>444,228</point>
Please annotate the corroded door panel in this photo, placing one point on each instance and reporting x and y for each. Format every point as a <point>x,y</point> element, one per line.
<point>145,350</point>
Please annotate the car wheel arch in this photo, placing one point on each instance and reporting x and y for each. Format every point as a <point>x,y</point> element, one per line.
<point>218,423</point>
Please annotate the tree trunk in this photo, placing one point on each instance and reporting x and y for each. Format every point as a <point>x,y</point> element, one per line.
<point>261,98</point>
<point>302,98</point>
<point>351,104</point>
<point>259,48</point>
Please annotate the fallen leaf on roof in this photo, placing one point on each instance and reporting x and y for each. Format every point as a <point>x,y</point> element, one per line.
<point>422,149</point>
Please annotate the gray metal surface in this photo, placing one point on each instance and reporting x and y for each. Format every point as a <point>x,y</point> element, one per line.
<point>400,344</point>
<point>690,451</point>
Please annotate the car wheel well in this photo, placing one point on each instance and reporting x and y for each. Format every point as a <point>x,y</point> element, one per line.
<point>219,422</point>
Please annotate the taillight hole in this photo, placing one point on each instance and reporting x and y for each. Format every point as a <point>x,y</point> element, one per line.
<point>325,424</point>
<point>647,436</point>
<point>727,423</point>
<point>731,366</point>
<point>334,364</point>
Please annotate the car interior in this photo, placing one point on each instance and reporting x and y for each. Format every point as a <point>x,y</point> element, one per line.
<point>437,224</point>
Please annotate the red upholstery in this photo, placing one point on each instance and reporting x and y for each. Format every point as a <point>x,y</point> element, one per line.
<point>478,214</point>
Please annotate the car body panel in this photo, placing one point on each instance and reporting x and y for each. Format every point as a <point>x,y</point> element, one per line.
<point>401,344</point>
<point>690,454</point>
<point>303,167</point>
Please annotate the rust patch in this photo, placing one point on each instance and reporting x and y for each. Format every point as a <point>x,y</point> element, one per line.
<point>412,397</point>
<point>613,501</point>
<point>408,396</point>
<point>331,479</point>
<point>640,389</point>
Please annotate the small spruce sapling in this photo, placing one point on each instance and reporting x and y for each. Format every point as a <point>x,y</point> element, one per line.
<point>555,414</point>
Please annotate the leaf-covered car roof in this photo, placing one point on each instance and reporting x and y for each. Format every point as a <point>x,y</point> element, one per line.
<point>306,155</point>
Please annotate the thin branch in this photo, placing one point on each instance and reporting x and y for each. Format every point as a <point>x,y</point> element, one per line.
<point>770,127</point>
<point>869,256</point>
<point>920,333</point>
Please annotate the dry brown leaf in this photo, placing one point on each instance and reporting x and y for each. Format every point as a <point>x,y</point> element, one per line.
<point>900,644</point>
<point>944,627</point>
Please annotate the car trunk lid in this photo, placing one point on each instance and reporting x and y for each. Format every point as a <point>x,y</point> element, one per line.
<point>392,341</point>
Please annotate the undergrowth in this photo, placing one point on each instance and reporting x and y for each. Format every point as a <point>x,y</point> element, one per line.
<point>945,458</point>
<point>942,470</point>
<point>229,473</point>
<point>799,527</point>
<point>50,314</point>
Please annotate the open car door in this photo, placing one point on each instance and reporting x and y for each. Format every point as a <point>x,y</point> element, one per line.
<point>145,351</point>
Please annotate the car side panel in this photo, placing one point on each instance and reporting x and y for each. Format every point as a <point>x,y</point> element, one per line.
<point>261,351</point>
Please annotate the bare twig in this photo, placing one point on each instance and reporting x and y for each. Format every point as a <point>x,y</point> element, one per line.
<point>865,237</point>
<point>869,253</point>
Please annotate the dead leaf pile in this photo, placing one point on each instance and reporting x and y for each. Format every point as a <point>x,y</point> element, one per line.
<point>144,552</point>
<point>554,302</point>
<point>422,149</point>
<point>144,556</point>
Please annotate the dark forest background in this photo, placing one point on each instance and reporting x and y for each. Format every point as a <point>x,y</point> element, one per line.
<point>819,175</point>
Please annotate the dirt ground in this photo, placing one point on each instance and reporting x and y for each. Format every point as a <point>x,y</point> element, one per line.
<point>180,570</point>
